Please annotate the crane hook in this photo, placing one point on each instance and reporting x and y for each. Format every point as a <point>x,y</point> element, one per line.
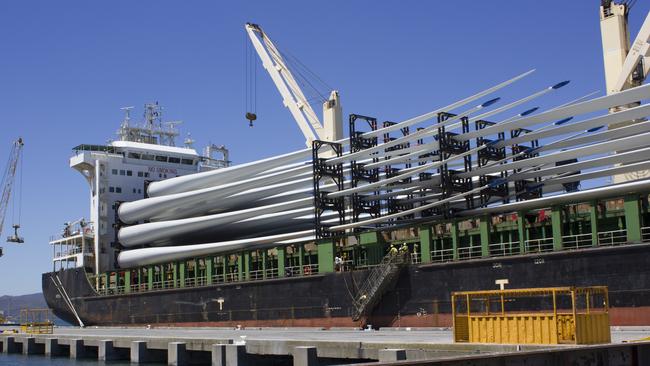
<point>250,117</point>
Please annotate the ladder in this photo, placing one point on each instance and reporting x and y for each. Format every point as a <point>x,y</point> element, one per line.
<point>379,280</point>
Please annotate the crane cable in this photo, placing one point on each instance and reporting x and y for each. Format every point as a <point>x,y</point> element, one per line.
<point>250,82</point>
<point>20,186</point>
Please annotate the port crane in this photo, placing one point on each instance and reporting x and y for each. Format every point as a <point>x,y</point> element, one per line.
<point>626,65</point>
<point>7,184</point>
<point>293,97</point>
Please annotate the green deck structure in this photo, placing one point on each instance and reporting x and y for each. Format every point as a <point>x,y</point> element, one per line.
<point>618,221</point>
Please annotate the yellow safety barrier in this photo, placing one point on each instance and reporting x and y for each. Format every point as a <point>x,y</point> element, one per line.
<point>554,315</point>
<point>36,321</point>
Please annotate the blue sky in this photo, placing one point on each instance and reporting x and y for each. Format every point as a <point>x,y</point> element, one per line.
<point>67,67</point>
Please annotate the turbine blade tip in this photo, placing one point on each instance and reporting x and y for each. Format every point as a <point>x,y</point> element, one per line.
<point>559,85</point>
<point>490,102</point>
<point>563,121</point>
<point>525,113</point>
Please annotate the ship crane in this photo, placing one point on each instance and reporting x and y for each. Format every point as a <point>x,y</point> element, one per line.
<point>293,97</point>
<point>626,65</point>
<point>7,185</point>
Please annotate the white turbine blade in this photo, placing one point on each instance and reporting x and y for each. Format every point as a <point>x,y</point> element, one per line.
<point>130,236</point>
<point>622,98</point>
<point>448,108</point>
<point>146,256</point>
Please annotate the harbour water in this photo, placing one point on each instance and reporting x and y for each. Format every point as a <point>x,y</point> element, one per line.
<point>18,360</point>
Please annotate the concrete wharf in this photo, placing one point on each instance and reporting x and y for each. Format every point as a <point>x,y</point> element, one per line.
<point>302,347</point>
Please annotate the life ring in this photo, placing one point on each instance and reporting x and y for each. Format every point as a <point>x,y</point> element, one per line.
<point>307,270</point>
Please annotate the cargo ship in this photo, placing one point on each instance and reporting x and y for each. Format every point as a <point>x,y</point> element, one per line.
<point>374,229</point>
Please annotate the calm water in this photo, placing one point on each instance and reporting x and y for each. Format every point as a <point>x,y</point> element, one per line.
<point>37,360</point>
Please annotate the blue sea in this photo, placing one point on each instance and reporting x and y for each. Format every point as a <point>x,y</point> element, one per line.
<point>37,360</point>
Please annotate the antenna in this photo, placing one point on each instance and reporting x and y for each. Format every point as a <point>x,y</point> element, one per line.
<point>189,142</point>
<point>127,113</point>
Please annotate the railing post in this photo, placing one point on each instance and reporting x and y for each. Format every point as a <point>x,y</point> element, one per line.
<point>326,256</point>
<point>208,270</point>
<point>247,265</point>
<point>150,277</point>
<point>521,229</point>
<point>281,261</point>
<point>484,229</point>
<point>264,257</point>
<point>632,218</point>
<point>175,274</point>
<point>593,217</point>
<point>127,281</point>
<point>181,273</point>
<point>425,244</point>
<point>454,239</point>
<point>556,226</point>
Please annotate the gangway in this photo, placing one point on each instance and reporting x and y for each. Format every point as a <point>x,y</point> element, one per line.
<point>379,280</point>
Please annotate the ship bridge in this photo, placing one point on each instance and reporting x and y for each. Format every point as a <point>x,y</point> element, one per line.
<point>74,246</point>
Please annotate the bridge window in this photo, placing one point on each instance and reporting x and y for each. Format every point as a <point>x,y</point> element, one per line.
<point>147,157</point>
<point>161,158</point>
<point>187,161</point>
<point>174,160</point>
<point>133,155</point>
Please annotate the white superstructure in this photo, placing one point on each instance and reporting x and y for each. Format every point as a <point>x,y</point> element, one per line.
<point>119,172</point>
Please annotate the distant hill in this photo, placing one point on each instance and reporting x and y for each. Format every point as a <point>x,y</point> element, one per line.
<point>11,305</point>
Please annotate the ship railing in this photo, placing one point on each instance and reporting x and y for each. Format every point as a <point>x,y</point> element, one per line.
<point>577,241</point>
<point>196,281</point>
<point>362,264</point>
<point>442,255</point>
<point>161,285</point>
<point>271,273</point>
<point>539,245</point>
<point>415,258</point>
<point>645,233</point>
<point>473,251</point>
<point>256,275</point>
<point>305,270</point>
<point>218,278</point>
<point>111,290</point>
<point>611,238</point>
<point>504,248</point>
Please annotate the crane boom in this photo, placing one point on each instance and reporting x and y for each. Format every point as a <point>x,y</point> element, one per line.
<point>292,95</point>
<point>9,178</point>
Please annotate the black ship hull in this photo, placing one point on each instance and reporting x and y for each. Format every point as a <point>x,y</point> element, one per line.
<point>420,297</point>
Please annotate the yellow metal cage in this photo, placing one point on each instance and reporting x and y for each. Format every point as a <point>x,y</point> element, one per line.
<point>36,321</point>
<point>553,315</point>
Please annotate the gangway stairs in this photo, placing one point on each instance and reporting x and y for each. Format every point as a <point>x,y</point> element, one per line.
<point>380,279</point>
